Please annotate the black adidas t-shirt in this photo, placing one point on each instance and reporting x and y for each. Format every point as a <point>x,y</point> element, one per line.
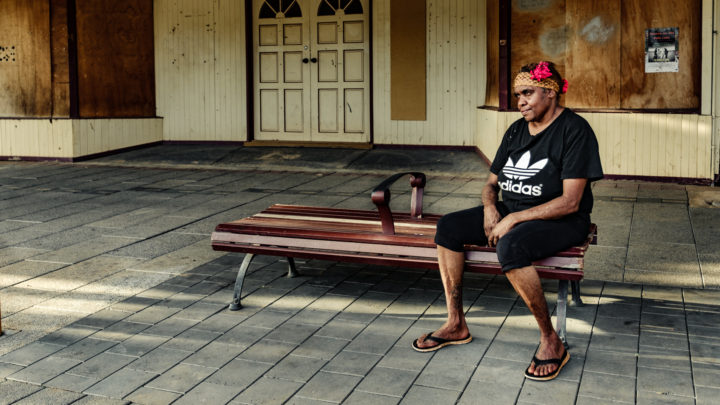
<point>531,169</point>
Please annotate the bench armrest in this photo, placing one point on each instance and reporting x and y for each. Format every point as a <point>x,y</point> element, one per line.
<point>381,197</point>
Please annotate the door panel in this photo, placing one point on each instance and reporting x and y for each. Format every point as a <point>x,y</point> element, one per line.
<point>327,108</point>
<point>269,110</point>
<point>354,110</point>
<point>327,66</point>
<point>294,116</point>
<point>311,70</point>
<point>293,67</point>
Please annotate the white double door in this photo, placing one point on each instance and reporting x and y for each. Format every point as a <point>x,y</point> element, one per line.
<point>311,68</point>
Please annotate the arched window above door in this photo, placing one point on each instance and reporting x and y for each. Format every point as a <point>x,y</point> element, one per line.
<point>280,9</point>
<point>331,7</point>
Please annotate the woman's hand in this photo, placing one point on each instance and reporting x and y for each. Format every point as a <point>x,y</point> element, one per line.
<point>500,229</point>
<point>491,219</point>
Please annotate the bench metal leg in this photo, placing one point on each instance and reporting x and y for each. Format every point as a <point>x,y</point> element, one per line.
<point>292,271</point>
<point>562,310</point>
<point>577,301</point>
<point>237,293</point>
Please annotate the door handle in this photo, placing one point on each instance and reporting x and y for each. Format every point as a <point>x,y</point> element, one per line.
<point>313,60</point>
<point>305,60</point>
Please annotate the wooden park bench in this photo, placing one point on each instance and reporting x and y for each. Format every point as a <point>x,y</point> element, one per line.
<point>380,238</point>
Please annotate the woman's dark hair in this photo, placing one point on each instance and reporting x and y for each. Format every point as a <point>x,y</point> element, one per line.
<point>556,77</point>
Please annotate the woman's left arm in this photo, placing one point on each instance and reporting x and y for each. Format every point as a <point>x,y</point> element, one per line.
<point>566,204</point>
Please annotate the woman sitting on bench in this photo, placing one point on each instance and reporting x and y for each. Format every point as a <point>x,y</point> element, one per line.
<point>544,167</point>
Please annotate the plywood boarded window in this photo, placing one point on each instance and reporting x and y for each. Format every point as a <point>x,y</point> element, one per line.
<point>599,47</point>
<point>116,58</point>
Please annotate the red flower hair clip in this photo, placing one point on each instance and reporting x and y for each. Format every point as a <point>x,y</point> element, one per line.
<point>541,72</point>
<point>565,86</point>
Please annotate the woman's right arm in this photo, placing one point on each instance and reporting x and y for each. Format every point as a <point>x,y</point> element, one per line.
<point>489,199</point>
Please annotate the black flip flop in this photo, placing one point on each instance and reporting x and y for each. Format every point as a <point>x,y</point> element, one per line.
<point>560,362</point>
<point>440,343</point>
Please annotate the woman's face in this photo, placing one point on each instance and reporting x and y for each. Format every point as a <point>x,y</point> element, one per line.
<point>533,102</point>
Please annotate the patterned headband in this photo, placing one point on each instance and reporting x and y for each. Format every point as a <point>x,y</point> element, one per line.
<point>524,79</point>
<point>540,77</point>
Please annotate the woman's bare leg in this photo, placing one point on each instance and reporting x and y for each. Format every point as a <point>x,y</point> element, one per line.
<point>452,265</point>
<point>527,284</point>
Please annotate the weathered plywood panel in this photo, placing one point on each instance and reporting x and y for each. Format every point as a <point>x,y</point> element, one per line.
<point>25,59</point>
<point>593,60</point>
<point>660,90</point>
<point>538,32</point>
<point>59,58</point>
<point>455,57</point>
<point>664,145</point>
<point>115,58</point>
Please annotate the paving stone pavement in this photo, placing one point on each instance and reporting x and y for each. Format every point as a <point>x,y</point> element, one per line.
<point>111,293</point>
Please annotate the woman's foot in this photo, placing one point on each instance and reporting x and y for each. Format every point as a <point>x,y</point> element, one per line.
<point>442,337</point>
<point>550,349</point>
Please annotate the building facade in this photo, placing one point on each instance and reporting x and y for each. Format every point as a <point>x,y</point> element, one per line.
<point>83,78</point>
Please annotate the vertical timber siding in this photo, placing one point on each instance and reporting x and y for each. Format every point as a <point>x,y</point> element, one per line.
<point>36,138</point>
<point>74,138</point>
<point>661,145</point>
<point>93,136</point>
<point>200,69</point>
<point>456,49</point>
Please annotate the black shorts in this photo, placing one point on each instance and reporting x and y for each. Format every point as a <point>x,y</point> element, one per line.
<point>525,243</point>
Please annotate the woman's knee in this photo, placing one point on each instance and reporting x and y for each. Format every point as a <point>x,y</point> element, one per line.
<point>512,252</point>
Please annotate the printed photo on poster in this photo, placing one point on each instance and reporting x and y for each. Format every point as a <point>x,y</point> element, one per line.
<point>661,50</point>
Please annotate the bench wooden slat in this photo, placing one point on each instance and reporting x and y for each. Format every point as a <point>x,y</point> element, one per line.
<point>344,213</point>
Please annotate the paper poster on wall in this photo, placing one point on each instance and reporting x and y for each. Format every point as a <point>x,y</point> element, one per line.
<point>661,50</point>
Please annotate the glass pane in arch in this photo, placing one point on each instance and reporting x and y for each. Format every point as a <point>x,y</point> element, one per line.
<point>353,7</point>
<point>325,8</point>
<point>293,10</point>
<point>266,11</point>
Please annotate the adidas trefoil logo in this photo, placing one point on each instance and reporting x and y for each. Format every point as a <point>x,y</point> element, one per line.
<point>522,170</point>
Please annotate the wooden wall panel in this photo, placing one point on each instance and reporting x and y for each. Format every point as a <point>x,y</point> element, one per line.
<point>73,138</point>
<point>98,135</point>
<point>115,58</point>
<point>493,53</point>
<point>660,145</point>
<point>661,90</point>
<point>456,51</point>
<point>36,138</point>
<point>592,60</point>
<point>201,71</point>
<point>25,59</point>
